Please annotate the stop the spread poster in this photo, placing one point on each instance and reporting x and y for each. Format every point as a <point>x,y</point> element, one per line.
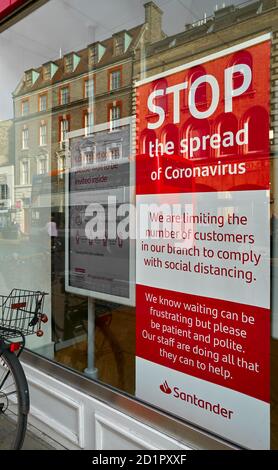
<point>202,262</point>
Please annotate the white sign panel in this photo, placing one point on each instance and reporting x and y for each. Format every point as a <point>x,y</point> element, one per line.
<point>99,190</point>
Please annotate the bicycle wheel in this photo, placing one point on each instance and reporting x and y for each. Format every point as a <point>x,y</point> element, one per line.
<point>14,402</point>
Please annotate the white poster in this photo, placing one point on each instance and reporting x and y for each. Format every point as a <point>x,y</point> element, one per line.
<point>100,188</point>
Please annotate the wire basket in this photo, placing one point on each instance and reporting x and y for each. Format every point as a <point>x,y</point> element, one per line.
<point>22,311</point>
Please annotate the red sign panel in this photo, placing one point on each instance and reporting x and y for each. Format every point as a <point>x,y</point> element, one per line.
<point>206,124</point>
<point>203,245</point>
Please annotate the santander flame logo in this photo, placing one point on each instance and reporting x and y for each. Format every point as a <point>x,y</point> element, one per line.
<point>165,388</point>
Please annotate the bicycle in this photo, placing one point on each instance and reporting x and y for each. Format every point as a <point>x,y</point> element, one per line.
<point>21,315</point>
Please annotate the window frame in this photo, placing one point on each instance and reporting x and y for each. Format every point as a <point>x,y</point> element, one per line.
<point>87,126</point>
<point>42,95</point>
<point>117,70</point>
<point>61,120</point>
<point>39,162</point>
<point>64,87</point>
<point>85,88</point>
<point>24,102</point>
<point>42,124</point>
<point>24,141</point>
<point>110,107</point>
<point>24,182</point>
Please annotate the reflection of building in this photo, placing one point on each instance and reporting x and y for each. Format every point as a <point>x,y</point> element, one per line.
<point>6,173</point>
<point>81,89</point>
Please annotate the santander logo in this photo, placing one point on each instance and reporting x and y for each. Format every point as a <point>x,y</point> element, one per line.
<point>193,399</point>
<point>164,387</point>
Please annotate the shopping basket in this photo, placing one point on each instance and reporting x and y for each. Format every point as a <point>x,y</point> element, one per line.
<point>22,311</point>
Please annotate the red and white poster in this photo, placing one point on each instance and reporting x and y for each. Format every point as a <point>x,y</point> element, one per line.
<point>203,242</point>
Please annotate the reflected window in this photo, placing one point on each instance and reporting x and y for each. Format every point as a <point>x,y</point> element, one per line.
<point>64,129</point>
<point>196,130</point>
<point>42,166</point>
<point>257,119</point>
<point>161,100</point>
<point>25,172</point>
<point>241,57</point>
<point>64,95</point>
<point>115,79</point>
<point>4,191</point>
<point>171,134</point>
<point>89,88</point>
<point>25,138</point>
<point>201,91</point>
<point>114,116</point>
<point>227,124</point>
<point>43,102</point>
<point>25,107</point>
<point>43,134</point>
<point>89,122</point>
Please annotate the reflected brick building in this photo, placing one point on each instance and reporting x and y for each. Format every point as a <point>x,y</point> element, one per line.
<point>79,90</point>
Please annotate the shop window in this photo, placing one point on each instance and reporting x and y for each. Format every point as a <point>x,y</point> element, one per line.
<point>149,324</point>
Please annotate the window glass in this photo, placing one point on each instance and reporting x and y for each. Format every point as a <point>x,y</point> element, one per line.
<point>65,95</point>
<point>64,126</point>
<point>89,88</point>
<point>115,79</point>
<point>25,172</point>
<point>151,108</point>
<point>25,138</point>
<point>42,103</point>
<point>43,134</point>
<point>89,122</point>
<point>25,107</point>
<point>115,114</point>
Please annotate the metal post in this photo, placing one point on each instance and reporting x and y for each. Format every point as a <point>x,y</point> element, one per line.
<point>91,371</point>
